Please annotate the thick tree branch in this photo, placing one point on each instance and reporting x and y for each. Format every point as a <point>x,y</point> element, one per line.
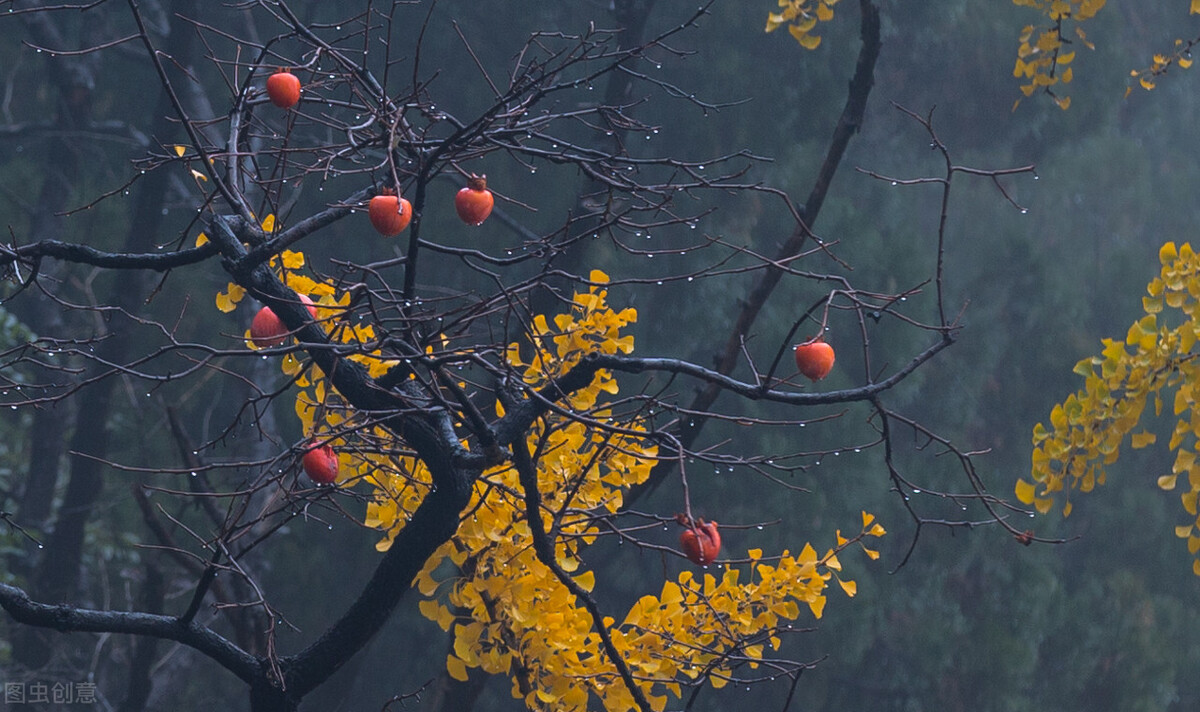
<point>754,391</point>
<point>69,619</point>
<point>83,254</point>
<point>519,416</point>
<point>431,525</point>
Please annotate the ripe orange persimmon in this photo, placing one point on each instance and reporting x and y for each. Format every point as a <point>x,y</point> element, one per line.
<point>283,88</point>
<point>266,329</point>
<point>474,202</point>
<point>701,542</point>
<point>815,359</point>
<point>389,213</point>
<point>321,464</point>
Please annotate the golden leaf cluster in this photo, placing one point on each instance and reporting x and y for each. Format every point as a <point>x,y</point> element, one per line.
<point>1155,363</point>
<point>1180,56</point>
<point>1160,64</point>
<point>801,18</point>
<point>1044,55</point>
<point>520,621</point>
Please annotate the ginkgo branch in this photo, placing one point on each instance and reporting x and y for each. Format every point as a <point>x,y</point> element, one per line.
<point>527,473</point>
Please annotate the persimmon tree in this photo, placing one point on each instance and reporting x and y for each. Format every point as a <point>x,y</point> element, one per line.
<point>491,417</point>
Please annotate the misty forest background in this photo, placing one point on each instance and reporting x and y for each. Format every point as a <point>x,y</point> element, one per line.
<point>973,620</point>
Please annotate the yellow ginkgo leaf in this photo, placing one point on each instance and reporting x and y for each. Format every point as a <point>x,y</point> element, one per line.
<point>456,668</point>
<point>1143,439</point>
<point>292,260</point>
<point>806,40</point>
<point>227,301</point>
<point>586,580</point>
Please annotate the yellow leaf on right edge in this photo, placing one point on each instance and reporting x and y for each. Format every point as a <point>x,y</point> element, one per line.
<point>1189,502</point>
<point>1195,10</point>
